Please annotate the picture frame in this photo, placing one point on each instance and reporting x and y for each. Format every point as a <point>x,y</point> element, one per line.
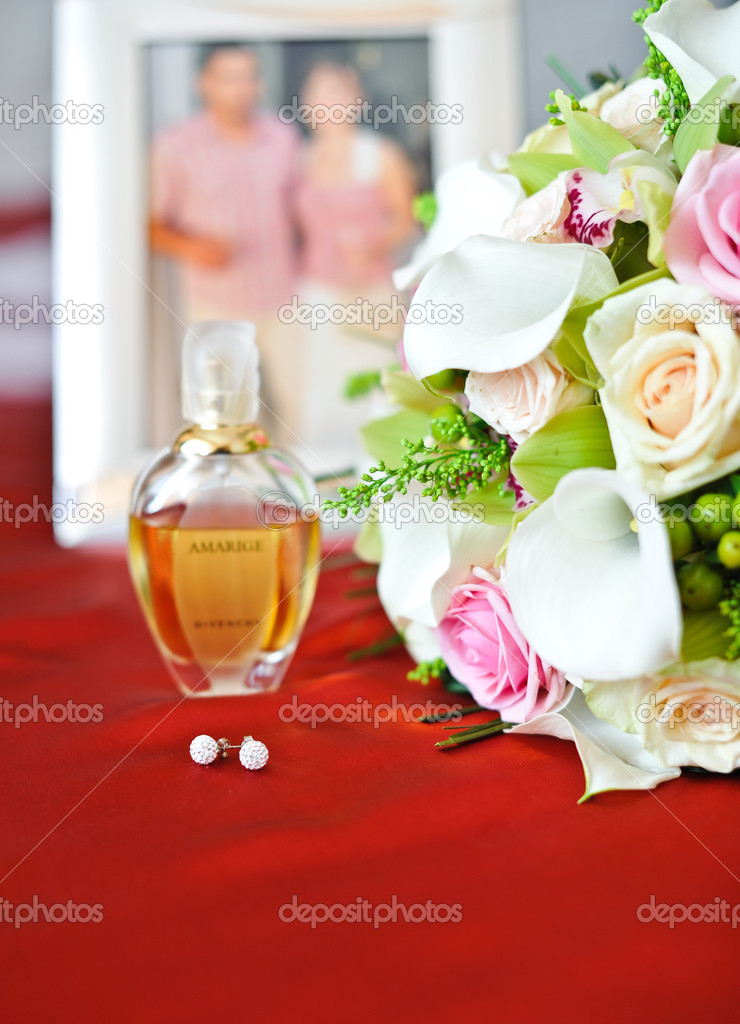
<point>100,189</point>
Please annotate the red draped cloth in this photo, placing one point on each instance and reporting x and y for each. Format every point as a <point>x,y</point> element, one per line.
<point>189,867</point>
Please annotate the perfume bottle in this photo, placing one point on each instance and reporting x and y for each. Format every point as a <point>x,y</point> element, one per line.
<point>223,547</point>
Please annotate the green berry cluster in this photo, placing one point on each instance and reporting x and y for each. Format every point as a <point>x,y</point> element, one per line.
<point>674,103</point>
<point>730,608</point>
<point>706,549</point>
<point>360,384</point>
<point>554,109</point>
<point>424,208</point>
<point>464,458</point>
<point>425,671</point>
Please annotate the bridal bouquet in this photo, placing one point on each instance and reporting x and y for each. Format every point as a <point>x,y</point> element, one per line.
<point>554,501</point>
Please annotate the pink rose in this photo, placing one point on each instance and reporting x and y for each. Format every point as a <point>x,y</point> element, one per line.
<point>702,241</point>
<point>484,649</point>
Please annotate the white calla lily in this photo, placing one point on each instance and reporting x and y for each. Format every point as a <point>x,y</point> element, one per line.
<point>612,759</point>
<point>513,296</point>
<point>700,41</point>
<point>472,198</point>
<point>593,597</point>
<point>425,556</point>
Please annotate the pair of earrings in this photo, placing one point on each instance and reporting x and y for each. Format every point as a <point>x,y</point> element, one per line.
<point>252,754</point>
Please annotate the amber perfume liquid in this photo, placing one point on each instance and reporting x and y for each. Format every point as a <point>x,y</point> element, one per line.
<point>223,548</point>
<point>225,602</point>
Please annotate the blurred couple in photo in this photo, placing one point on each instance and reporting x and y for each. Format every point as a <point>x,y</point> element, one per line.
<point>258,219</point>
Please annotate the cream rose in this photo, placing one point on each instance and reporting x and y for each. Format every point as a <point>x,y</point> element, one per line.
<point>634,113</point>
<point>519,401</point>
<point>686,715</point>
<point>670,360</point>
<point>540,217</point>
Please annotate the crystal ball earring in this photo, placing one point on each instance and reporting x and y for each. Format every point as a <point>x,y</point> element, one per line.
<point>252,753</point>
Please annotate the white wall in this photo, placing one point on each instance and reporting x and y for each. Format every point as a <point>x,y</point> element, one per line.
<point>585,35</point>
<point>25,276</point>
<point>25,72</point>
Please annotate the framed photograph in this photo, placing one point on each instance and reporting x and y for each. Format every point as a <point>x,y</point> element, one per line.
<point>248,165</point>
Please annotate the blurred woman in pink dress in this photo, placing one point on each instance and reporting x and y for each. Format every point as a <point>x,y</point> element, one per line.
<point>354,216</point>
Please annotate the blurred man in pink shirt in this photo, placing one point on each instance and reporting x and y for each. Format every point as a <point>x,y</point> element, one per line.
<point>222,192</point>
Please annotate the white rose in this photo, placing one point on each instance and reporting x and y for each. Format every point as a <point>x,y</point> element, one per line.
<point>541,216</point>
<point>633,112</point>
<point>686,715</point>
<point>519,401</point>
<point>670,360</point>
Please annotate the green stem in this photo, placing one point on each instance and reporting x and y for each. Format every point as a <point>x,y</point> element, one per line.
<point>435,719</point>
<point>375,649</point>
<point>563,73</point>
<point>363,592</point>
<point>473,734</point>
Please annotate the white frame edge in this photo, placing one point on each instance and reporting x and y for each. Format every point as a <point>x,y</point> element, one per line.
<point>99,194</point>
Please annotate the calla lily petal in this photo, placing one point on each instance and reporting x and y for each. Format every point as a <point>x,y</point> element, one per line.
<point>425,556</point>
<point>472,198</point>
<point>513,296</point>
<point>415,556</point>
<point>699,41</point>
<point>590,595</point>
<point>470,544</point>
<point>611,759</point>
<point>421,642</point>
<point>685,715</point>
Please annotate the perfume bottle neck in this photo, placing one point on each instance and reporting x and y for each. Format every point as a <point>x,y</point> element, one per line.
<point>221,440</point>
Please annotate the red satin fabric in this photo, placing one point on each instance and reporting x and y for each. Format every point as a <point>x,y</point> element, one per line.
<point>192,865</point>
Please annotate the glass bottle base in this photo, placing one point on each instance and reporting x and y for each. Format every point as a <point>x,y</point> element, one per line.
<point>261,675</point>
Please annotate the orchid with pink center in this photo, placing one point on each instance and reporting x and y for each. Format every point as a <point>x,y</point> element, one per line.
<point>597,201</point>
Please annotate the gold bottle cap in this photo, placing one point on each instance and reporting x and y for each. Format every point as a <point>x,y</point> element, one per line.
<point>223,439</point>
